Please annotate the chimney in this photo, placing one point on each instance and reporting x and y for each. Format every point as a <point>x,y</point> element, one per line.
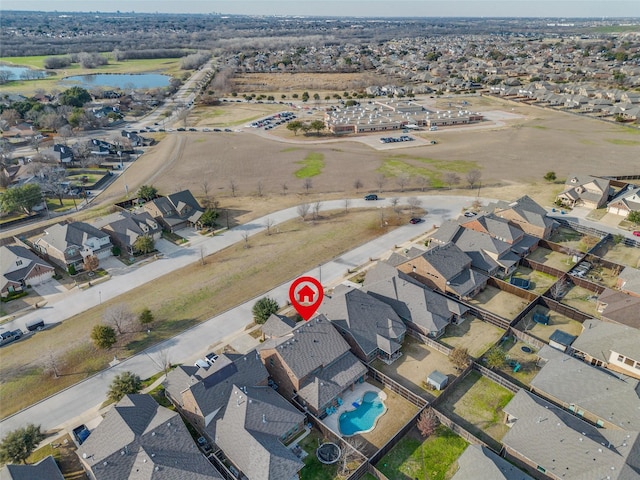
<point>264,418</point>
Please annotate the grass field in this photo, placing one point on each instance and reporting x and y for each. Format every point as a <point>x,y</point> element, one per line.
<point>312,165</point>
<point>474,335</point>
<point>476,404</point>
<point>431,459</point>
<point>497,301</point>
<point>270,260</point>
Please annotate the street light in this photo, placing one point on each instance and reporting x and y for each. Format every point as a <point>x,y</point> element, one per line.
<point>100,296</point>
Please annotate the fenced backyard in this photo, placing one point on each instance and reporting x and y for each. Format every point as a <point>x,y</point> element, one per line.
<point>499,302</point>
<point>539,282</point>
<point>473,334</point>
<point>557,321</point>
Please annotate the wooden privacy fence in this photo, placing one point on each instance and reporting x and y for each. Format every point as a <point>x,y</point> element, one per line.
<point>376,457</point>
<point>541,267</point>
<point>512,289</point>
<point>565,310</point>
<point>525,337</point>
<point>394,386</point>
<point>464,433</point>
<point>496,377</point>
<point>430,342</point>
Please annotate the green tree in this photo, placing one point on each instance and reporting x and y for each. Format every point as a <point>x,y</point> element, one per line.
<point>317,125</point>
<point>103,336</point>
<point>294,126</point>
<point>147,192</point>
<point>144,244</point>
<point>20,443</point>
<point>124,384</point>
<point>263,309</point>
<point>21,198</point>
<point>550,176</point>
<point>496,357</point>
<point>209,217</point>
<point>74,97</point>
<point>146,317</point>
<point>634,217</point>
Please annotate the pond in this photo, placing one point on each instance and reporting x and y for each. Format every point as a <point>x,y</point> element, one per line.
<point>119,80</point>
<point>21,73</point>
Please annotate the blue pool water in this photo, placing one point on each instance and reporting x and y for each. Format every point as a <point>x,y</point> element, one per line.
<point>363,418</point>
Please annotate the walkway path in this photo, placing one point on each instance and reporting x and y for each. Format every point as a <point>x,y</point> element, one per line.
<point>81,401</point>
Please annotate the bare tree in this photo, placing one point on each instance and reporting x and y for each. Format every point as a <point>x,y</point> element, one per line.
<point>451,178</point>
<point>427,422</point>
<point>245,237</point>
<point>65,133</point>
<point>316,210</point>
<point>120,316</point>
<point>414,203</point>
<point>183,116</point>
<point>351,456</point>
<point>233,186</point>
<point>473,177</point>
<point>380,181</point>
<point>91,263</point>
<point>395,205</point>
<point>268,223</point>
<point>50,363</point>
<point>205,191</point>
<point>557,290</point>
<point>303,210</point>
<point>284,188</point>
<point>202,255</point>
<point>357,184</point>
<point>260,188</point>
<point>347,203</point>
<point>403,181</point>
<point>307,184</point>
<point>162,360</point>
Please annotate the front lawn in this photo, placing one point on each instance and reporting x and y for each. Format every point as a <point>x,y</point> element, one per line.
<point>431,459</point>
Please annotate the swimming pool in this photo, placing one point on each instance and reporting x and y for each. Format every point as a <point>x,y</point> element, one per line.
<point>362,419</point>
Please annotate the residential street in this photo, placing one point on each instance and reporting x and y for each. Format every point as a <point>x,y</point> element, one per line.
<point>79,402</point>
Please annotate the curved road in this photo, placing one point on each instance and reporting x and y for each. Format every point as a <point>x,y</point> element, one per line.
<point>80,402</point>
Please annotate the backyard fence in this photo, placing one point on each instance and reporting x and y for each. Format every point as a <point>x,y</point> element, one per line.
<point>457,429</point>
<point>394,386</point>
<point>603,241</point>
<point>565,310</point>
<point>451,386</point>
<point>512,289</point>
<point>496,377</point>
<point>220,466</point>
<point>526,338</point>
<point>525,311</point>
<point>386,448</point>
<point>599,261</point>
<point>541,267</point>
<point>430,342</point>
<point>486,316</point>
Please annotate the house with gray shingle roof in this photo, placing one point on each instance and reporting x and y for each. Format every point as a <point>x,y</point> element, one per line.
<point>46,469</point>
<point>552,443</point>
<point>176,211</point>
<point>125,228</point>
<point>585,190</point>
<point>601,398</point>
<point>480,463</point>
<point>68,244</point>
<point>627,201</point>
<point>277,326</point>
<point>448,269</point>
<point>609,345</point>
<point>371,327</point>
<point>21,267</point>
<point>619,307</point>
<point>629,281</point>
<point>526,214</point>
<point>139,440</point>
<point>313,364</point>
<point>251,433</point>
<point>202,393</point>
<point>421,308</point>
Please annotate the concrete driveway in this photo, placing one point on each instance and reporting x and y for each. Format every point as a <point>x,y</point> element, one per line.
<point>166,247</point>
<point>50,288</point>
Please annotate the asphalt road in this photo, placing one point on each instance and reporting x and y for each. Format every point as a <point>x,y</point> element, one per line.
<point>82,400</point>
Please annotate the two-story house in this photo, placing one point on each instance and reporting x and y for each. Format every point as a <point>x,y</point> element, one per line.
<point>627,201</point>
<point>21,267</point>
<point>526,214</point>
<point>68,244</point>
<point>585,190</point>
<point>252,431</point>
<point>125,229</point>
<point>422,309</point>
<point>176,211</point>
<point>371,327</point>
<point>312,364</point>
<point>446,268</point>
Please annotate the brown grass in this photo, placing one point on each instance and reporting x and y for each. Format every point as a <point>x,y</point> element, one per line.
<point>206,291</point>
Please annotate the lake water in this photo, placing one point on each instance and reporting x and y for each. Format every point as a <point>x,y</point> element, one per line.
<point>17,72</point>
<point>119,80</point>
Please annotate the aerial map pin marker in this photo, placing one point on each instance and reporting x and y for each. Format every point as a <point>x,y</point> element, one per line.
<point>306,295</point>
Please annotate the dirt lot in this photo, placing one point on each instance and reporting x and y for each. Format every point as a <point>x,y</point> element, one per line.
<point>474,335</point>
<point>499,302</point>
<point>557,321</point>
<point>417,362</point>
<point>553,259</point>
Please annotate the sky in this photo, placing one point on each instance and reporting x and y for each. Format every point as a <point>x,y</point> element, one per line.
<point>360,8</point>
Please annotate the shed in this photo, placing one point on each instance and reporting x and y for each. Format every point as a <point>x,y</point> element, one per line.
<point>561,340</point>
<point>437,379</point>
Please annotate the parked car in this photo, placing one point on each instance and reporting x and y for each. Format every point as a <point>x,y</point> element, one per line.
<point>371,196</point>
<point>211,358</point>
<point>37,324</point>
<point>415,220</point>
<point>637,233</point>
<point>470,214</point>
<point>8,337</point>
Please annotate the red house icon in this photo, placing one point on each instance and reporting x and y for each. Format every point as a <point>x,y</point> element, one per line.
<point>306,294</point>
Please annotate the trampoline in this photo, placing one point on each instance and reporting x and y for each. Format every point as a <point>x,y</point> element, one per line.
<point>328,453</point>
<point>526,349</point>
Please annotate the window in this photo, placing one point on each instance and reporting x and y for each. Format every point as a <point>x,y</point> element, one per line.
<point>600,423</point>
<point>629,361</point>
<point>541,469</point>
<point>621,358</point>
<point>18,263</point>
